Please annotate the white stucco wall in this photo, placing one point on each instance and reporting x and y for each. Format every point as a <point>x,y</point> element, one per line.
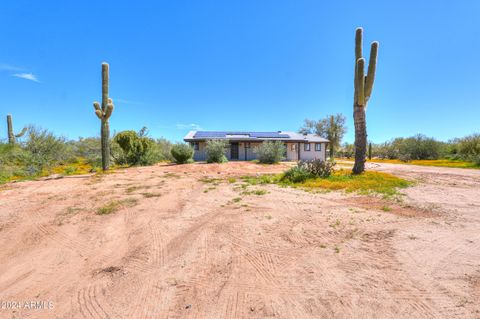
<point>312,154</point>
<point>292,155</point>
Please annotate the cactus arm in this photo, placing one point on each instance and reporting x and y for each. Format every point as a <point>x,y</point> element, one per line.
<point>24,130</point>
<point>360,82</point>
<point>372,65</point>
<point>99,114</point>
<point>98,110</point>
<point>358,55</point>
<point>358,43</point>
<point>109,110</point>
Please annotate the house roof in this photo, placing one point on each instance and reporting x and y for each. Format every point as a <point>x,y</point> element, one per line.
<point>253,136</point>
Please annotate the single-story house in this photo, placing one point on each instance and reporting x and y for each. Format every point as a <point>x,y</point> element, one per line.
<point>242,145</point>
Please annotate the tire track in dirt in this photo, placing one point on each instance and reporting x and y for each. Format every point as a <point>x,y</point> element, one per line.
<point>382,274</point>
<point>383,260</point>
<point>62,239</point>
<point>91,306</point>
<point>158,247</point>
<point>161,253</point>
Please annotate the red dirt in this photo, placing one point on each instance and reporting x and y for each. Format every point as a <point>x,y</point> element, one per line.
<point>182,245</point>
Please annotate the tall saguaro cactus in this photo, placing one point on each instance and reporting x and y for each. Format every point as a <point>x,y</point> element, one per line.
<point>104,112</point>
<point>12,136</point>
<point>363,91</point>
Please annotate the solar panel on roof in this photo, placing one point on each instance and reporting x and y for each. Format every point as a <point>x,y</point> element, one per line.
<point>223,134</point>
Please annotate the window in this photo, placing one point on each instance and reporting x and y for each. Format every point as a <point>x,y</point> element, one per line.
<point>195,146</point>
<point>318,147</point>
<point>306,147</point>
<point>294,147</point>
<point>247,144</point>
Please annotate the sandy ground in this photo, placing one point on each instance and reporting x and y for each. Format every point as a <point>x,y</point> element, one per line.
<point>186,246</point>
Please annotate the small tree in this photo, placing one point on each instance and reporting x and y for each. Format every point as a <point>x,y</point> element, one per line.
<point>271,152</point>
<point>215,150</point>
<point>137,148</point>
<point>331,127</point>
<point>182,153</point>
<point>469,148</point>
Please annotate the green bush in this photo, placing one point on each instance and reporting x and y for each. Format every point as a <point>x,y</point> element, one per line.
<point>136,149</point>
<point>215,151</point>
<point>164,149</point>
<point>13,161</point>
<point>271,152</point>
<point>418,147</point>
<point>317,167</point>
<point>45,150</point>
<point>296,174</point>
<point>469,148</point>
<point>182,153</point>
<point>90,149</point>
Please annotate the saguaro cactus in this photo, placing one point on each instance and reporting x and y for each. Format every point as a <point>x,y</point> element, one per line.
<point>12,136</point>
<point>104,112</point>
<point>363,91</point>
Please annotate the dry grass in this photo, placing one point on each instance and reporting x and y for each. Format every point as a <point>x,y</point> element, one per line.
<point>78,168</point>
<point>366,183</point>
<point>115,205</point>
<point>437,163</point>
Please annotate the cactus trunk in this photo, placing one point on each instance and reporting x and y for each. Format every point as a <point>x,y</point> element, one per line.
<point>103,113</point>
<point>332,147</point>
<point>363,89</point>
<point>359,117</point>
<point>12,136</point>
<point>105,141</point>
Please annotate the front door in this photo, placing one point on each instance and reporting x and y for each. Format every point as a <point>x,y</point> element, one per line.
<point>234,151</point>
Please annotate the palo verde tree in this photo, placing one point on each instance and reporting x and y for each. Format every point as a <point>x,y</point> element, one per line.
<point>104,112</point>
<point>363,90</point>
<point>331,127</point>
<point>12,136</point>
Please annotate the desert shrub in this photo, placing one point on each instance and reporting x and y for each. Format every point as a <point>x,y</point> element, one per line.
<point>418,147</point>
<point>182,153</point>
<point>215,151</point>
<point>296,174</point>
<point>469,148</point>
<point>163,149</point>
<point>317,167</point>
<point>346,150</point>
<point>13,161</point>
<point>137,149</point>
<point>405,157</point>
<point>271,152</point>
<point>90,149</point>
<point>45,150</point>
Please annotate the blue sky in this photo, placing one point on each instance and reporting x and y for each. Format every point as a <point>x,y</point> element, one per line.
<point>239,65</point>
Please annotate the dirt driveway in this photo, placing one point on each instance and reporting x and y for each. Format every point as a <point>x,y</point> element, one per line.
<point>191,242</point>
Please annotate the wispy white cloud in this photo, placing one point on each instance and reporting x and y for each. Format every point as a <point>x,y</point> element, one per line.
<point>8,67</point>
<point>191,126</point>
<point>27,76</point>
